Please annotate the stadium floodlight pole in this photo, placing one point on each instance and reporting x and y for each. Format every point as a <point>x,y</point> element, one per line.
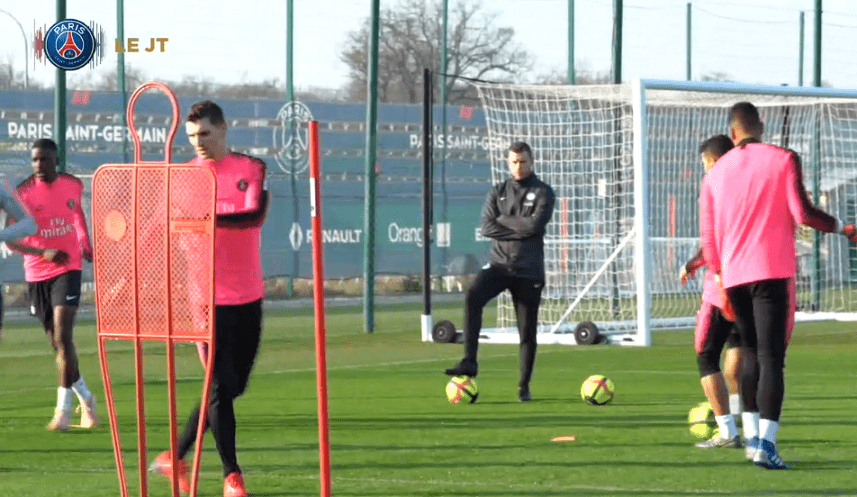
<point>816,69</point>
<point>571,42</point>
<point>120,74</point>
<point>443,96</point>
<point>26,50</point>
<point>617,170</point>
<point>800,51</point>
<point>290,98</point>
<point>426,321</point>
<point>369,199</point>
<point>617,41</point>
<point>59,102</point>
<point>816,166</point>
<point>689,20</point>
<point>318,298</point>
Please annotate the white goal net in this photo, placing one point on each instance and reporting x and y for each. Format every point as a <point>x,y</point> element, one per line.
<point>623,161</point>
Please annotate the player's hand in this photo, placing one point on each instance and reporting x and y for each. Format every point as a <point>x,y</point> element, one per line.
<point>202,350</point>
<point>727,310</point>
<point>56,256</point>
<point>850,232</point>
<point>87,255</point>
<point>685,275</point>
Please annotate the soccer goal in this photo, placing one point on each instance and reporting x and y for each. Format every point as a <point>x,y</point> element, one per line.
<point>623,161</point>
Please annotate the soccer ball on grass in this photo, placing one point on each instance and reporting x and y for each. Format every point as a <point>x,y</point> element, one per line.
<point>701,421</point>
<point>597,390</point>
<point>462,390</point>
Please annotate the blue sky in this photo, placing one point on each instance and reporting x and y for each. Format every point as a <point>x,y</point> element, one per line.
<point>753,41</point>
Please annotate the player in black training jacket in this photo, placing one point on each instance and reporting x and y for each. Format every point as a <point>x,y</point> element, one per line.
<point>514,217</point>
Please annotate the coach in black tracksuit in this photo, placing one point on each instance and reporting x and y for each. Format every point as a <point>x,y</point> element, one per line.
<point>514,217</point>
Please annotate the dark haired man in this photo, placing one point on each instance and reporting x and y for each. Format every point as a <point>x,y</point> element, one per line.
<point>242,204</point>
<point>52,267</point>
<point>514,217</point>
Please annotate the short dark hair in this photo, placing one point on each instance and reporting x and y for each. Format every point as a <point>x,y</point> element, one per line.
<point>716,146</point>
<point>521,147</point>
<point>746,116</point>
<point>206,108</point>
<point>45,144</point>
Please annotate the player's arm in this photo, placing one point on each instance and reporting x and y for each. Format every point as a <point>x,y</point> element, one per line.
<point>80,228</point>
<point>56,256</point>
<point>706,228</point>
<point>534,224</point>
<point>256,202</point>
<point>490,228</point>
<point>24,225</point>
<point>801,207</point>
<point>691,266</point>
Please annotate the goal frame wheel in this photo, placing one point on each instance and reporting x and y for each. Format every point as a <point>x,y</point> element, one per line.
<point>586,333</point>
<point>444,332</point>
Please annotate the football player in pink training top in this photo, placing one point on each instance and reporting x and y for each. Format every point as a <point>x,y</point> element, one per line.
<point>52,267</point>
<point>750,204</point>
<point>242,204</point>
<point>714,329</point>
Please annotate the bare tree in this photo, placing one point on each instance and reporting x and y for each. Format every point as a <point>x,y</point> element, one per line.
<point>15,80</point>
<point>410,40</point>
<point>582,76</point>
<point>717,76</point>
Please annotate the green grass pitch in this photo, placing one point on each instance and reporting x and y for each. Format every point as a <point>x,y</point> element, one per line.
<point>393,433</point>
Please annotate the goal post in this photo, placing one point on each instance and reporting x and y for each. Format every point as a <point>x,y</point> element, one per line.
<point>623,161</point>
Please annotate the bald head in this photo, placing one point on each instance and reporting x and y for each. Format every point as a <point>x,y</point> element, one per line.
<point>744,122</point>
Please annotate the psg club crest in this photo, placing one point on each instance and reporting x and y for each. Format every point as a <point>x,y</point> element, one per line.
<point>69,44</point>
<point>291,137</point>
<point>70,203</point>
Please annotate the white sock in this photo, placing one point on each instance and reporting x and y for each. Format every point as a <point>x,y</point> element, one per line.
<point>726,423</point>
<point>768,430</point>
<point>735,404</point>
<point>79,387</point>
<point>750,424</point>
<point>64,397</point>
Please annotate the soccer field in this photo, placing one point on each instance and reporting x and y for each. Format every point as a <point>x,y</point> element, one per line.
<point>393,433</point>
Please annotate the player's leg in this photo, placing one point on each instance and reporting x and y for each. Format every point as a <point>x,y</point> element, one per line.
<point>732,368</point>
<point>742,303</point>
<point>487,285</point>
<point>526,296</point>
<point>249,331</point>
<point>42,308</point>
<point>65,298</point>
<point>220,407</point>
<point>771,301</point>
<point>241,327</point>
<point>711,332</point>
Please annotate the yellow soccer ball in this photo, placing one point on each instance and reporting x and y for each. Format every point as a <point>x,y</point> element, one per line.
<point>597,390</point>
<point>701,421</point>
<point>462,390</point>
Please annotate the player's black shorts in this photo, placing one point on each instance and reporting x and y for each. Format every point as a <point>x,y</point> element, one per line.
<point>713,331</point>
<point>61,290</point>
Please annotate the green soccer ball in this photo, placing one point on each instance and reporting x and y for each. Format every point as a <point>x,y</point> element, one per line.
<point>462,390</point>
<point>597,390</point>
<point>701,421</point>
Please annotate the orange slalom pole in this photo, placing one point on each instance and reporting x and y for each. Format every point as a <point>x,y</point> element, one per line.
<point>318,297</point>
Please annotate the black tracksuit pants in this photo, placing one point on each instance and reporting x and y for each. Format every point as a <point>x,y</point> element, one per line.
<point>238,331</point>
<point>526,296</point>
